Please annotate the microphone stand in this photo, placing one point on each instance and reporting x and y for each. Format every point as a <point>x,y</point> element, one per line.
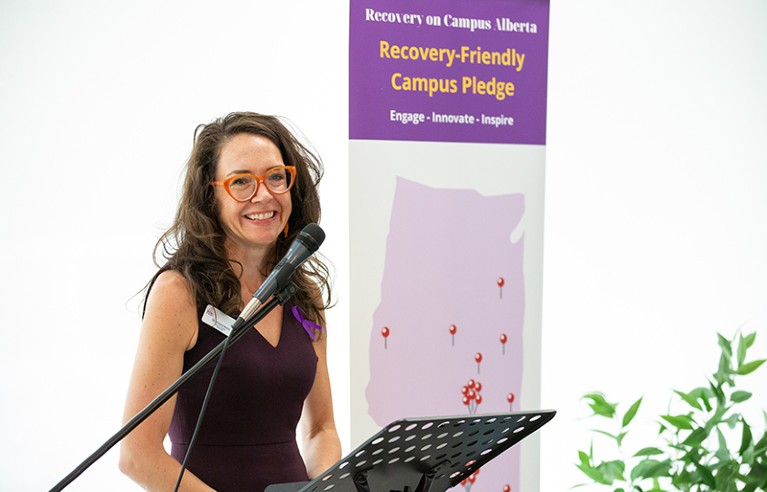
<point>280,297</point>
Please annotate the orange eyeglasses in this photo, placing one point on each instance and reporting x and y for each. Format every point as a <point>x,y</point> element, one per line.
<point>243,187</point>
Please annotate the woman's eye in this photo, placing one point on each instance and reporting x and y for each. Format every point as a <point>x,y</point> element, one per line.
<point>241,181</point>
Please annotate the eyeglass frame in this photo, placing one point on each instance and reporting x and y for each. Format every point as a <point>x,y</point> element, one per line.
<point>259,181</point>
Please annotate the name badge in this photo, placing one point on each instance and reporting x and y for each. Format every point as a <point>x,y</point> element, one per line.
<point>217,319</point>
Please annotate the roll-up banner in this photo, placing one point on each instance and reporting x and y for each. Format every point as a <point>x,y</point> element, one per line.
<point>447,126</point>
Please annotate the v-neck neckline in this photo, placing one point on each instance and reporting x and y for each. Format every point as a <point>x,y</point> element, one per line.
<point>280,333</point>
<point>273,346</point>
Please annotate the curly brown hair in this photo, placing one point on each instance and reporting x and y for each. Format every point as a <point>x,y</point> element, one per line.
<point>194,243</point>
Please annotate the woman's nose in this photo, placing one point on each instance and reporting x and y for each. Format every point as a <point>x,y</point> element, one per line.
<point>260,190</point>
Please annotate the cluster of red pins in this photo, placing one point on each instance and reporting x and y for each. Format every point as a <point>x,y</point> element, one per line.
<point>469,481</point>
<point>471,395</point>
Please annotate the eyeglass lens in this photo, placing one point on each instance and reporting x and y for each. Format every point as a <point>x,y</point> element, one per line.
<point>276,180</point>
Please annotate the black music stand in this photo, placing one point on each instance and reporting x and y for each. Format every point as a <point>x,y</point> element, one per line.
<point>424,454</point>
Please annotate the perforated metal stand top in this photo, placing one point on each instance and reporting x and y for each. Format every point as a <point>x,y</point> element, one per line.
<point>426,454</point>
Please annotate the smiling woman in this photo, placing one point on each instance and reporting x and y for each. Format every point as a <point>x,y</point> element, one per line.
<point>253,216</point>
<point>250,188</point>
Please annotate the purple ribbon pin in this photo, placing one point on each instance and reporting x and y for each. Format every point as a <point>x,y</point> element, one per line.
<point>308,325</point>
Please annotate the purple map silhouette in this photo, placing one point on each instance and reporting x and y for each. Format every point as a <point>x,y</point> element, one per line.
<point>452,288</point>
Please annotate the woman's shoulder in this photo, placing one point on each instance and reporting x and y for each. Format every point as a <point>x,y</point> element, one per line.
<point>171,287</point>
<point>170,305</point>
<point>168,278</point>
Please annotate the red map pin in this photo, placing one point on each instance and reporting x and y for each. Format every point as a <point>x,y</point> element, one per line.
<point>510,399</point>
<point>385,332</point>
<point>478,359</point>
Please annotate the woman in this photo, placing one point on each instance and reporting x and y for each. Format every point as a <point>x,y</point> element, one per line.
<point>250,188</point>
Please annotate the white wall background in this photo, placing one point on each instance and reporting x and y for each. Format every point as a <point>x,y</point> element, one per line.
<point>656,211</point>
<point>656,206</point>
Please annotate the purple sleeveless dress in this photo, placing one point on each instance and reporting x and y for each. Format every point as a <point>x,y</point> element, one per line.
<point>248,435</point>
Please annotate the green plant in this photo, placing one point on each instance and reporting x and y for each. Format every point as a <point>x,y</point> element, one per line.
<point>707,447</point>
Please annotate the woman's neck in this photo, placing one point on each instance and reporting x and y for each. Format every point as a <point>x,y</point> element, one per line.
<point>252,264</point>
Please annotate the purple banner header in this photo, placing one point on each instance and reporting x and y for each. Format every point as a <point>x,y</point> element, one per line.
<point>448,71</point>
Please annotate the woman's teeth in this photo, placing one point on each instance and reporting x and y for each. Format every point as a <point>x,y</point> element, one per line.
<point>262,216</point>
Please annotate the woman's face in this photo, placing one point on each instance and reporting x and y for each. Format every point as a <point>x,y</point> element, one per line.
<point>258,222</point>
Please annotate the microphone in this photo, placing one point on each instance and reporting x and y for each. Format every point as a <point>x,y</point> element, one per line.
<point>304,245</point>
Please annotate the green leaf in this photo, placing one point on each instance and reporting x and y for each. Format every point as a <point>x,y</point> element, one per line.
<point>584,458</point>
<point>741,351</point>
<point>682,480</point>
<point>723,453</point>
<point>679,421</point>
<point>749,339</point>
<point>651,468</point>
<point>750,367</point>
<point>620,438</point>
<point>696,437</point>
<point>758,475</point>
<point>612,470</point>
<point>716,389</point>
<point>704,395</point>
<point>733,420</point>
<point>694,455</point>
<point>725,476</point>
<point>722,374</point>
<point>600,405</point>
<point>760,448</point>
<point>748,456</point>
<point>744,343</point>
<point>691,400</point>
<point>725,345</point>
<point>593,474</point>
<point>648,452</point>
<point>704,475</point>
<point>631,413</point>
<point>745,438</point>
<point>740,396</point>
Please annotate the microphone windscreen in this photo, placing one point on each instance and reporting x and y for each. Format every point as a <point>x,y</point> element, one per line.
<point>311,236</point>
